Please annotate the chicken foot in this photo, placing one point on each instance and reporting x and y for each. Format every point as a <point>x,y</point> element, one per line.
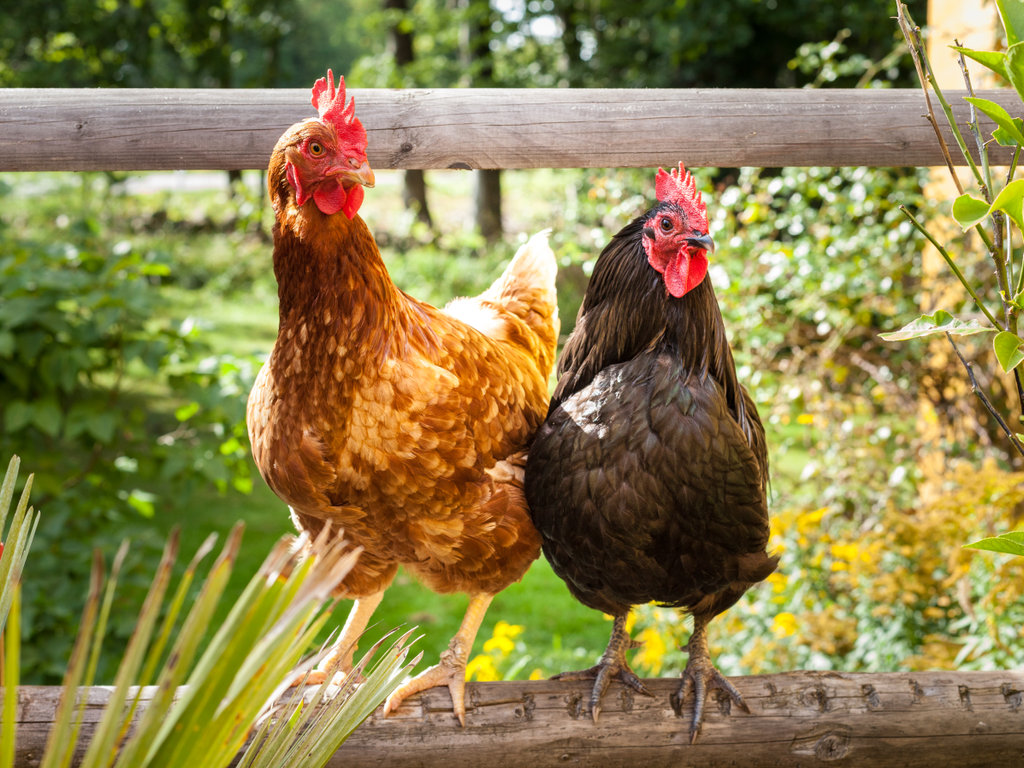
<point>451,670</point>
<point>342,654</point>
<point>700,676</point>
<point>612,666</point>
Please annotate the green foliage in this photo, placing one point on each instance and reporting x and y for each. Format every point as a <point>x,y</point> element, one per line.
<point>86,340</point>
<point>687,44</point>
<point>166,43</point>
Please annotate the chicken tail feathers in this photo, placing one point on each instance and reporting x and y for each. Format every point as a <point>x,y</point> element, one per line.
<point>521,306</point>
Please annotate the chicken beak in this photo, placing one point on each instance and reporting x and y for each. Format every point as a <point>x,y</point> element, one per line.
<point>702,241</point>
<point>361,175</point>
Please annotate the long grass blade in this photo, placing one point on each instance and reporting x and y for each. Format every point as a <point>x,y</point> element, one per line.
<point>11,639</point>
<point>63,736</point>
<point>19,537</point>
<point>169,721</point>
<point>7,488</point>
<point>115,720</point>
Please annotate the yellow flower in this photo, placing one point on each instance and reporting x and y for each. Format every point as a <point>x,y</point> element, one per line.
<point>808,521</point>
<point>805,419</point>
<point>652,653</point>
<point>501,640</point>
<point>784,624</point>
<point>537,674</point>
<point>778,581</point>
<point>482,668</point>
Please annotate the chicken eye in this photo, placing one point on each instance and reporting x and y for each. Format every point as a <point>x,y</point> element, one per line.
<point>666,225</point>
<point>315,148</point>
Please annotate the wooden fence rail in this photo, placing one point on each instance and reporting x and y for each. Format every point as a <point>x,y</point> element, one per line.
<point>162,129</point>
<point>913,720</point>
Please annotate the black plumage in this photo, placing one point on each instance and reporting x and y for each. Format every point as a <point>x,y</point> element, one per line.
<point>648,479</point>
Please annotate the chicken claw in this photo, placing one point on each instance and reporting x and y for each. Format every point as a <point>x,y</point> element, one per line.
<point>700,676</point>
<point>612,666</point>
<point>341,658</point>
<point>451,671</point>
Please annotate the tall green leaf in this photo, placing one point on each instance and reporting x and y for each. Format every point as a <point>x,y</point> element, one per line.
<point>10,642</point>
<point>1012,14</point>
<point>15,545</point>
<point>1015,67</point>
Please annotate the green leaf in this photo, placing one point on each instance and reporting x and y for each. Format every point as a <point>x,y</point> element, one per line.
<point>7,343</point>
<point>1004,138</point>
<point>46,416</point>
<point>999,116</point>
<point>186,412</point>
<point>17,415</point>
<point>1015,67</point>
<point>994,60</point>
<point>969,211</point>
<point>1008,348</point>
<point>1012,14</point>
<point>1010,200</point>
<point>940,322</point>
<point>143,502</point>
<point>1011,543</point>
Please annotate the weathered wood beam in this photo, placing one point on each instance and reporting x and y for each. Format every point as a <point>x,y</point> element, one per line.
<point>161,129</point>
<point>921,719</point>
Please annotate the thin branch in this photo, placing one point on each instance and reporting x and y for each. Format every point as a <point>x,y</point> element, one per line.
<point>972,124</point>
<point>952,265</point>
<point>912,34</point>
<point>984,399</point>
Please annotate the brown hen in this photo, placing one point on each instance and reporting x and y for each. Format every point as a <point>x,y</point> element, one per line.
<point>402,425</point>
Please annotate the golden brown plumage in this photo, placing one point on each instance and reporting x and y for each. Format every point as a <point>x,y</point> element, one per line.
<point>401,424</point>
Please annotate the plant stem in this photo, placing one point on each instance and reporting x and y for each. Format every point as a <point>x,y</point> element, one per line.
<point>912,34</point>
<point>952,265</point>
<point>985,401</point>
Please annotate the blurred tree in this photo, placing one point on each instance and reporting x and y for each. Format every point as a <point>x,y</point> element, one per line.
<point>401,45</point>
<point>178,43</point>
<point>478,24</point>
<point>738,43</point>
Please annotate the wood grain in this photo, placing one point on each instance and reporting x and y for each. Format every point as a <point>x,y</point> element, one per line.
<point>915,720</point>
<point>160,129</point>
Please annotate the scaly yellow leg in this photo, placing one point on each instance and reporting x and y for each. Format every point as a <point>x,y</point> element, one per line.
<point>342,653</point>
<point>451,670</point>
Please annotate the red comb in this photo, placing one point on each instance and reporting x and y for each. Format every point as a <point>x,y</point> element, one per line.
<point>679,187</point>
<point>330,103</point>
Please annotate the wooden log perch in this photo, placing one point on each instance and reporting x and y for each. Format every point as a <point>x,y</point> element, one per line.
<point>921,719</point>
<point>160,129</point>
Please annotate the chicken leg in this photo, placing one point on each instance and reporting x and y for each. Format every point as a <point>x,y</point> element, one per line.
<point>612,666</point>
<point>342,653</point>
<point>700,676</point>
<point>451,670</point>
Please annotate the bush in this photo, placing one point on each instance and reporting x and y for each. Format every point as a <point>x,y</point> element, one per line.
<point>88,356</point>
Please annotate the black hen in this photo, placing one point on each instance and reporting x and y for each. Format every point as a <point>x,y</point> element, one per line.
<point>648,479</point>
